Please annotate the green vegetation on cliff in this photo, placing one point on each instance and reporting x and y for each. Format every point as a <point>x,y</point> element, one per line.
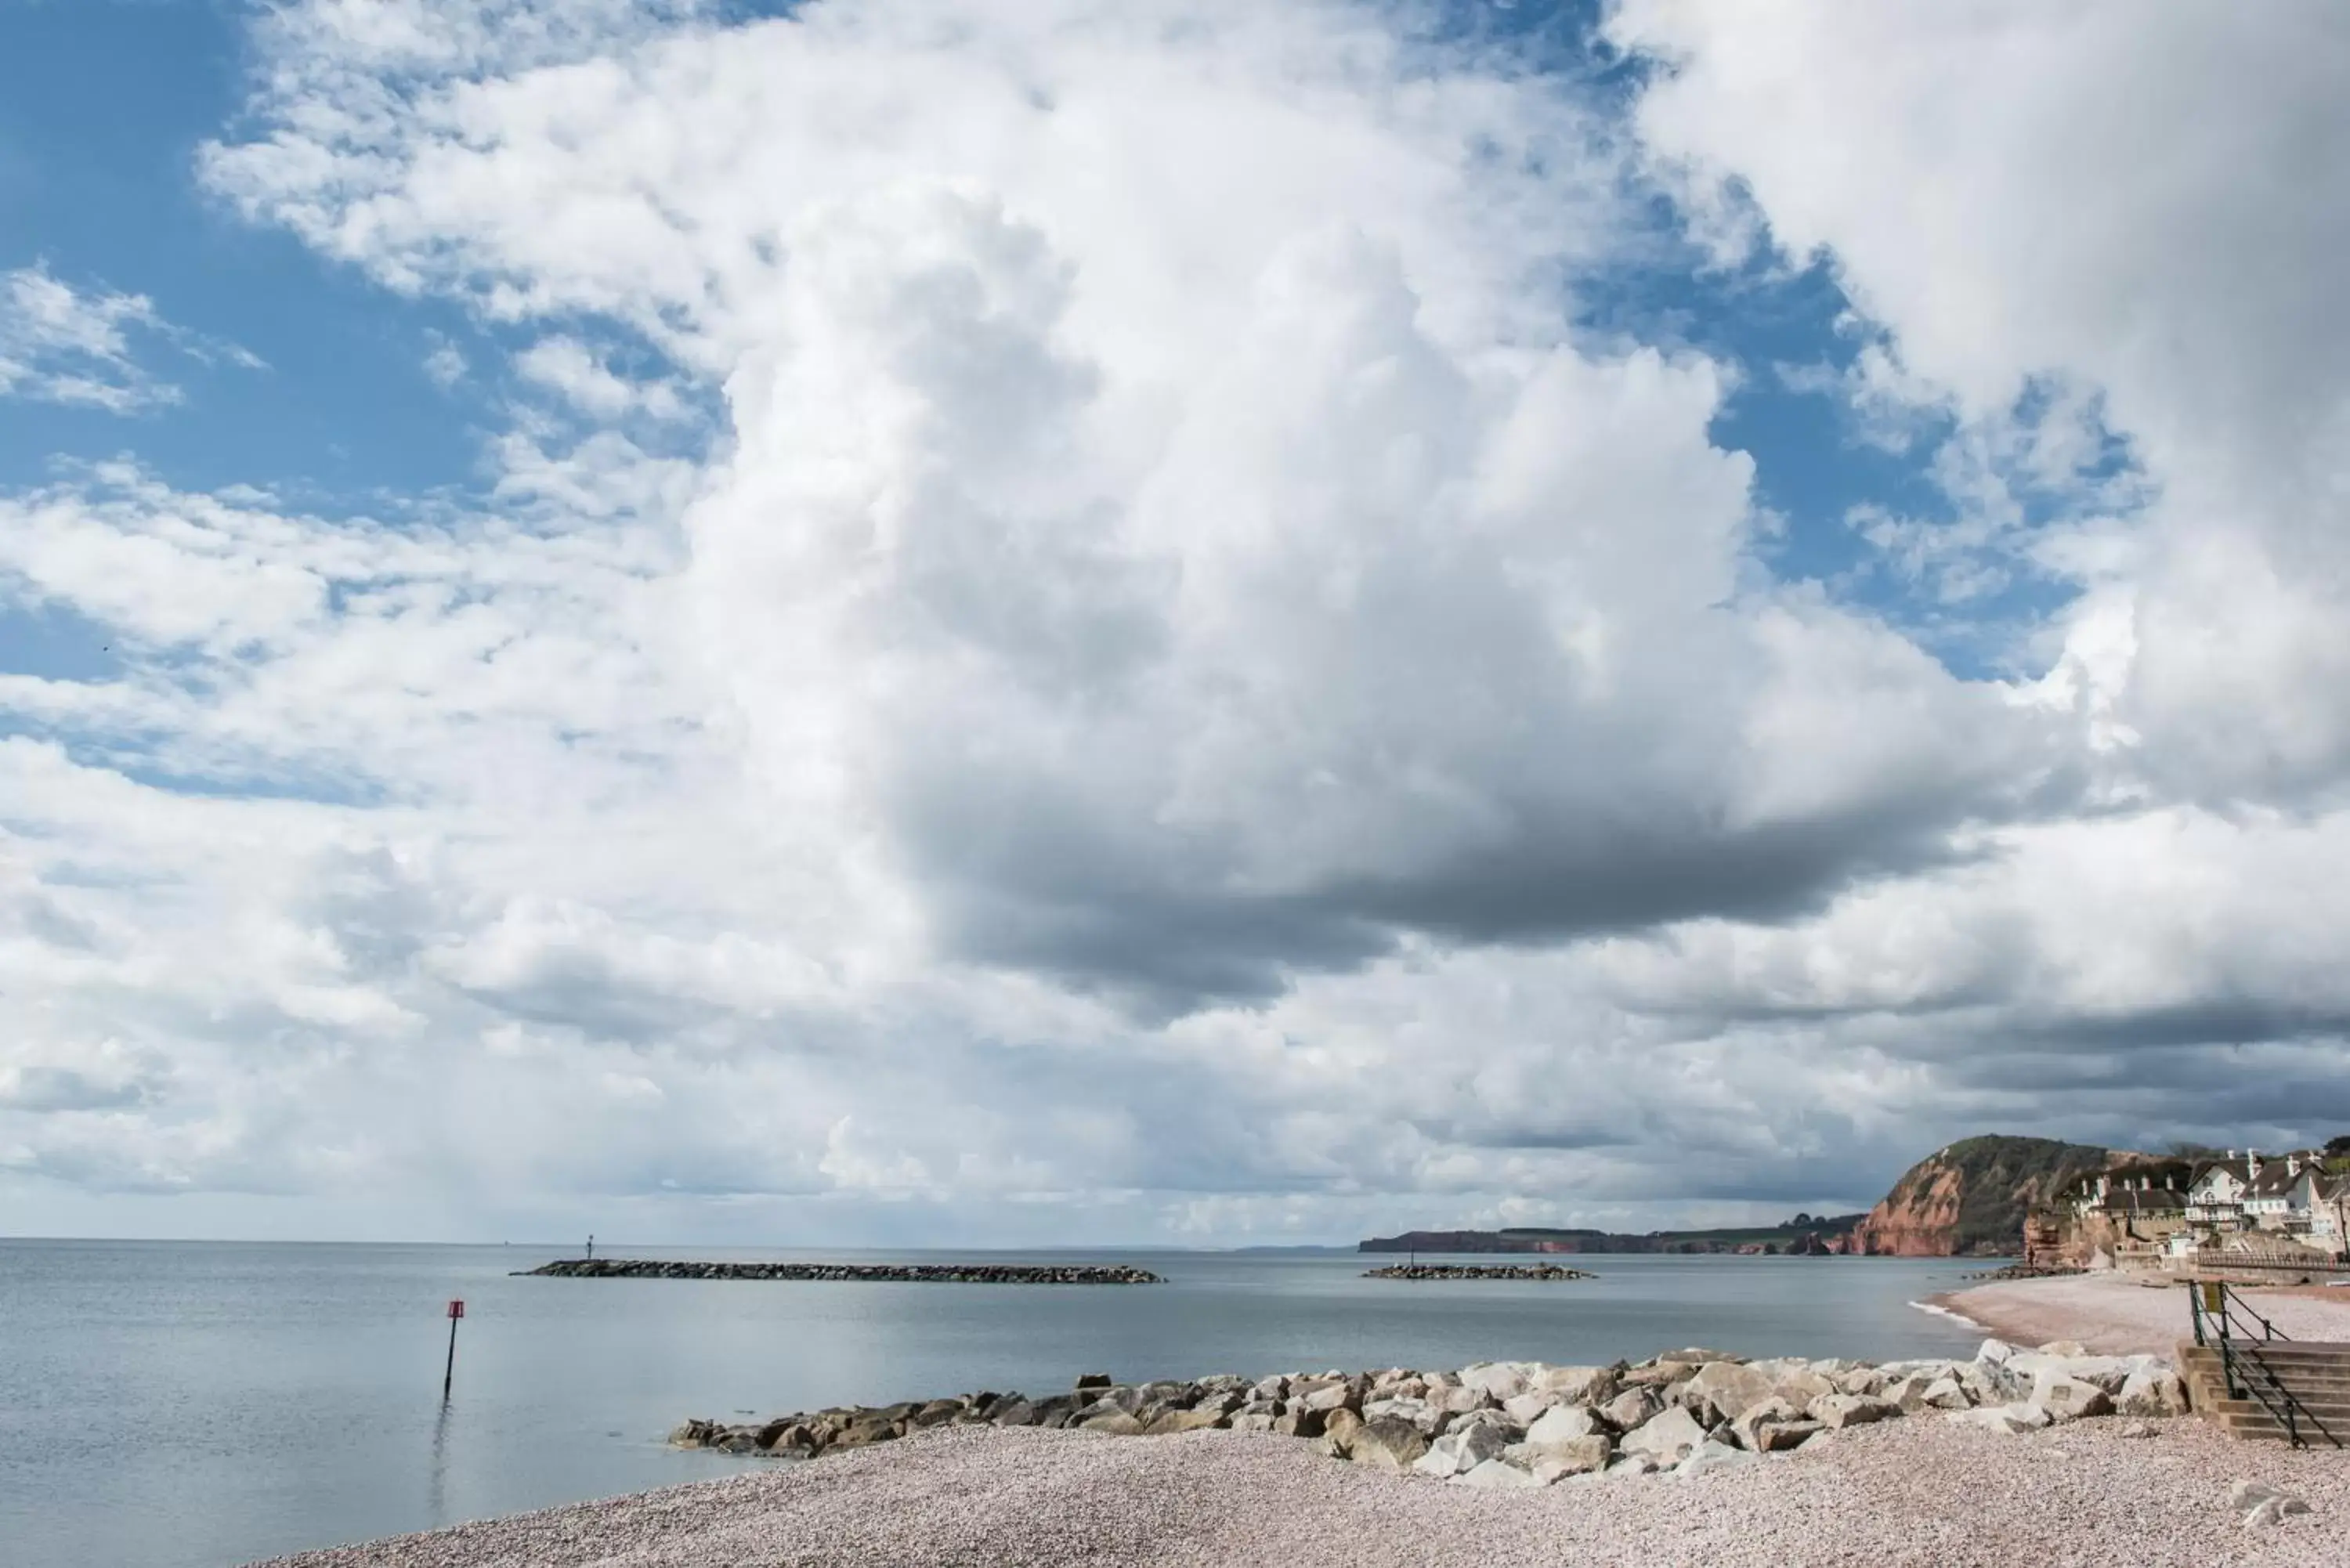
<point>1971,1197</point>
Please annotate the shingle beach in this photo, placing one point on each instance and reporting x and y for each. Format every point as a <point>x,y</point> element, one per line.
<point>1932,1486</point>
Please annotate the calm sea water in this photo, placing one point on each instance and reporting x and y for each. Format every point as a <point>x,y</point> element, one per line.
<point>166,1404</point>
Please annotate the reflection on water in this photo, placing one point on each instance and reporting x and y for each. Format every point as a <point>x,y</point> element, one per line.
<point>165,1405</point>
<point>436,1477</point>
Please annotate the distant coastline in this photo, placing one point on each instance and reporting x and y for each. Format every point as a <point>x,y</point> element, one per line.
<point>1806,1235</point>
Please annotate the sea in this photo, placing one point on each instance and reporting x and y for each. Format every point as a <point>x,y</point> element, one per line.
<point>176,1404</point>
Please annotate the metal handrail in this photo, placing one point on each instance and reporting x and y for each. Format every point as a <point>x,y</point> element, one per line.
<point>2213,1306</point>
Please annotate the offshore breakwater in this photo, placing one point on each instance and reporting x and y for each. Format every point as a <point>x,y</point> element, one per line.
<point>1476,1271</point>
<point>859,1274</point>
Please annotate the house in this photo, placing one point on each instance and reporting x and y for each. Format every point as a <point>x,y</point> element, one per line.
<point>2278,1192</point>
<point>2329,1209</point>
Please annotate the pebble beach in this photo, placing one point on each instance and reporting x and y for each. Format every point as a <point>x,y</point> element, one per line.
<point>1899,1492</point>
<point>1932,1485</point>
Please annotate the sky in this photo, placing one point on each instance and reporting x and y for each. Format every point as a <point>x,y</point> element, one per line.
<point>1114,622</point>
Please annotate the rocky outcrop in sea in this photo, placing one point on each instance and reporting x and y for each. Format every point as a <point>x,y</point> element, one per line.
<point>1527,1424</point>
<point>925,1274</point>
<point>1475,1271</point>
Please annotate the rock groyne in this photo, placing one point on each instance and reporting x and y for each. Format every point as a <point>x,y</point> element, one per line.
<point>1476,1271</point>
<point>859,1274</point>
<point>1524,1424</point>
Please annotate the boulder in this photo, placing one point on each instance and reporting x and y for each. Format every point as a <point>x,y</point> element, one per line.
<point>1869,1380</point>
<point>1419,1412</point>
<point>1296,1421</point>
<point>1117,1423</point>
<point>1709,1457</point>
<point>1944,1394</point>
<point>1629,1408</point>
<point>1772,1412</point>
<point>1458,1398</point>
<point>1666,1437</point>
<point>1388,1444</point>
<point>1633,1465</point>
<point>1837,1411</point>
<point>1340,1430</point>
<point>1577,1384</point>
<point>1086,1380</point>
<point>1563,1424</point>
<point>2152,1390</point>
<point>2065,1348</point>
<point>1499,1379</point>
<point>1719,1389</point>
<point>1495,1475</point>
<point>2011,1419</point>
<point>1801,1386</point>
<point>2275,1510</point>
<point>1328,1396</point>
<point>1269,1388</point>
<point>1252,1421</point>
<point>2069,1399</point>
<point>1013,1412</point>
<point>1463,1449</point>
<point>1581,1456</point>
<point>1198,1417</point>
<point>859,1434</point>
<point>1780,1436</point>
<point>2264,1505</point>
<point>1909,1391</point>
<point>1526,1409</point>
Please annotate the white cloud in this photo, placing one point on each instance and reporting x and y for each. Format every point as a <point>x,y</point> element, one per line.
<point>61,345</point>
<point>1182,697</point>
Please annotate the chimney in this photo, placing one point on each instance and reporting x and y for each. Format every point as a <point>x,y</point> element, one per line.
<point>2101,1189</point>
<point>2252,1164</point>
<point>2293,1166</point>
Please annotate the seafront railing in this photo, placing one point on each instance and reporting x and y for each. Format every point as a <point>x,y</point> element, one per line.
<point>2225,1322</point>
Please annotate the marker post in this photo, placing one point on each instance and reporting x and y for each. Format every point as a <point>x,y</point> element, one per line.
<point>449,1372</point>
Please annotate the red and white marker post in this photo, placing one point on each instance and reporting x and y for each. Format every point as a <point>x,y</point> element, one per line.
<point>456,1310</point>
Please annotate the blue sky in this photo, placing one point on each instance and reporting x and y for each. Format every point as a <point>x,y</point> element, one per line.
<point>102,189</point>
<point>751,616</point>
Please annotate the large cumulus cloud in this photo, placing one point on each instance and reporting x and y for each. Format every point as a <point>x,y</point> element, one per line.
<point>1171,689</point>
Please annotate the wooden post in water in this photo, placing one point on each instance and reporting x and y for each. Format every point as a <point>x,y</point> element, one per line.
<point>449,1372</point>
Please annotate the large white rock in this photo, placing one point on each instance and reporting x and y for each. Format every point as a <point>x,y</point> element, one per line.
<point>1584,1456</point>
<point>1630,1408</point>
<point>1563,1424</point>
<point>1496,1476</point>
<point>1725,1389</point>
<point>2069,1399</point>
<point>1748,1428</point>
<point>1666,1437</point>
<point>1500,1379</point>
<point>1709,1457</point>
<point>1419,1412</point>
<point>1945,1394</point>
<point>1840,1410</point>
<point>1463,1449</point>
<point>2152,1391</point>
<point>1800,1386</point>
<point>1577,1384</point>
<point>1526,1408</point>
<point>2011,1419</point>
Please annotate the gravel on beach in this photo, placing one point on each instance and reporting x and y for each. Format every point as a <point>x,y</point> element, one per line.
<point>2113,1314</point>
<point>1915,1491</point>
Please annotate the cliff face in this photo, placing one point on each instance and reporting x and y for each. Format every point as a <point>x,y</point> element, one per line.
<point>1971,1197</point>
